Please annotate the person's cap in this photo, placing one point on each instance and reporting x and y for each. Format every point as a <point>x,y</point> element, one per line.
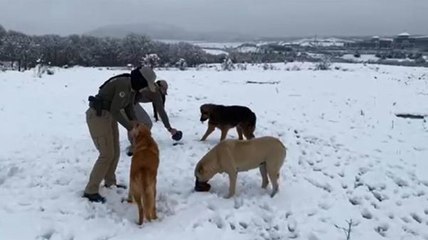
<point>150,77</point>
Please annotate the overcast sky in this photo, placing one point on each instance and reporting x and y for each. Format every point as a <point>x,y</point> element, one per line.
<point>260,17</point>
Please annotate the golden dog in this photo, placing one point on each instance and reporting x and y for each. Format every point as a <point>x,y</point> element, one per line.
<point>233,156</point>
<point>144,167</point>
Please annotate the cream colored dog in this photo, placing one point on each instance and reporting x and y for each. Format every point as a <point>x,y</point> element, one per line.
<point>233,156</point>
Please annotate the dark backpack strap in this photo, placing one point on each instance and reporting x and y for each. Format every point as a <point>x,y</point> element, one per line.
<point>120,75</point>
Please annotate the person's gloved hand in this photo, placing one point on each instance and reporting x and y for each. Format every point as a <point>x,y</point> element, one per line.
<point>176,134</point>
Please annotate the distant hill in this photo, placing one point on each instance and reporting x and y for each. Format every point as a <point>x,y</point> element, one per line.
<point>165,31</point>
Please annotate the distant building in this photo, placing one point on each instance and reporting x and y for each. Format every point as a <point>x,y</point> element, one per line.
<point>421,42</point>
<point>403,40</point>
<point>374,43</point>
<point>385,43</point>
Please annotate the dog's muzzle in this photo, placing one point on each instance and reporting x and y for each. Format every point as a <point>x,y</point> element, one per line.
<point>202,186</point>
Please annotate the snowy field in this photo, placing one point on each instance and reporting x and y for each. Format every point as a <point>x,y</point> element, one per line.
<point>349,158</point>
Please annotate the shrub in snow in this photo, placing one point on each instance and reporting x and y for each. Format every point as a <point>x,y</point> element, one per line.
<point>414,55</point>
<point>227,64</point>
<point>181,64</point>
<point>292,67</point>
<point>420,60</point>
<point>325,64</point>
<point>268,66</point>
<point>150,60</point>
<point>41,69</point>
<point>288,59</point>
<point>242,66</point>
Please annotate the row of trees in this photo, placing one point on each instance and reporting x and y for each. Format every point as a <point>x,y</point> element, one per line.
<point>55,50</point>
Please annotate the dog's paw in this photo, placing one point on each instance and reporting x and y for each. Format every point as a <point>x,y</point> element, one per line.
<point>127,200</point>
<point>228,196</point>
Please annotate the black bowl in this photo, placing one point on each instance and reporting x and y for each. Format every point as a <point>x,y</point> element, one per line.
<point>177,136</point>
<point>202,186</point>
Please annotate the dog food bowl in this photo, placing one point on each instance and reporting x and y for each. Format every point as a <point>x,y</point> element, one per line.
<point>202,186</point>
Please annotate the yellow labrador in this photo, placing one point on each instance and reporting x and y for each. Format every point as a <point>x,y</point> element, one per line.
<point>233,156</point>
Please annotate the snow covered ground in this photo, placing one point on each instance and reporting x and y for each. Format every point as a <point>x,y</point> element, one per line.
<point>215,51</point>
<point>349,157</point>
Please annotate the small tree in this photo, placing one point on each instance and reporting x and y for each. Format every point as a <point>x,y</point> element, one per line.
<point>357,54</point>
<point>227,64</point>
<point>242,66</point>
<point>324,64</point>
<point>181,64</point>
<point>150,60</point>
<point>420,60</point>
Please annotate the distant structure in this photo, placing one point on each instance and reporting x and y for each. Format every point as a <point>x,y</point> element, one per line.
<point>401,41</point>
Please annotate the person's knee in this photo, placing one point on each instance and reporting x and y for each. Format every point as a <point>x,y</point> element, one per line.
<point>108,154</point>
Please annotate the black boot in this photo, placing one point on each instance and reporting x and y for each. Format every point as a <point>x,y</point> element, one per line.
<point>94,197</point>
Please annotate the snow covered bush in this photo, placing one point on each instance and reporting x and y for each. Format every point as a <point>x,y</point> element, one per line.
<point>181,64</point>
<point>268,66</point>
<point>227,64</point>
<point>42,69</point>
<point>150,60</point>
<point>325,64</point>
<point>242,66</point>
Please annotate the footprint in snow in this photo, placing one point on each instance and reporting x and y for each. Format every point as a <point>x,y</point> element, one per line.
<point>366,214</point>
<point>382,229</point>
<point>416,217</point>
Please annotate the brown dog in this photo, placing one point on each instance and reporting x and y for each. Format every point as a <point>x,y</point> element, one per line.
<point>227,117</point>
<point>233,156</point>
<point>144,167</point>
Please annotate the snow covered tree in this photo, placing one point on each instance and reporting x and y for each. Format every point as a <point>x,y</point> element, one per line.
<point>181,64</point>
<point>227,64</point>
<point>150,60</point>
<point>133,47</point>
<point>325,64</point>
<point>242,66</point>
<point>16,47</point>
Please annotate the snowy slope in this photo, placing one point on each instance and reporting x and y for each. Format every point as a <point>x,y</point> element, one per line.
<point>349,157</point>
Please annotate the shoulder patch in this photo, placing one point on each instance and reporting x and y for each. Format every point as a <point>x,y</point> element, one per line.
<point>122,94</point>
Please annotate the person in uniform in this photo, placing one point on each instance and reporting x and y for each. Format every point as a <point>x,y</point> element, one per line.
<point>113,104</point>
<point>156,98</point>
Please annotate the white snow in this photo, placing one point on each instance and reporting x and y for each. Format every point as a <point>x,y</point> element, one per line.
<point>248,49</point>
<point>219,45</point>
<point>324,42</point>
<point>404,34</point>
<point>215,51</point>
<point>349,157</point>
